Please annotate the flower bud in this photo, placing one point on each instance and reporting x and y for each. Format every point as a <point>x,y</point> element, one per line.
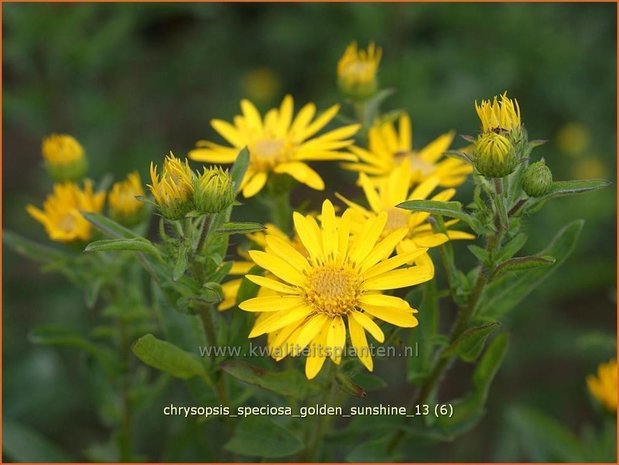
<point>173,190</point>
<point>494,155</point>
<point>123,205</point>
<point>356,71</point>
<point>213,191</point>
<point>536,180</point>
<point>64,157</point>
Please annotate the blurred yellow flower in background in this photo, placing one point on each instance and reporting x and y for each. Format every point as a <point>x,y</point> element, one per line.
<point>261,84</point>
<point>173,190</point>
<point>573,139</point>
<point>339,281</point>
<point>61,215</point>
<point>357,69</point>
<point>604,386</point>
<point>499,115</point>
<point>122,202</point>
<point>384,194</point>
<point>388,148</point>
<point>278,143</point>
<point>64,157</point>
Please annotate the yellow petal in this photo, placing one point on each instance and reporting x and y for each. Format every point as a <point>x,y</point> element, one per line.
<point>395,316</point>
<point>255,184</point>
<point>303,118</point>
<point>329,233</point>
<point>430,240</point>
<point>308,235</point>
<point>270,304</point>
<point>394,262</point>
<point>366,239</point>
<point>302,173</point>
<point>369,325</point>
<point>280,268</point>
<point>336,337</point>
<point>287,252</point>
<point>251,114</point>
<point>277,320</point>
<point>308,332</point>
<point>384,248</point>
<point>381,300</point>
<point>319,123</point>
<point>396,279</point>
<point>406,132</point>
<point>272,284</point>
<point>360,343</point>
<point>316,358</point>
<point>228,132</point>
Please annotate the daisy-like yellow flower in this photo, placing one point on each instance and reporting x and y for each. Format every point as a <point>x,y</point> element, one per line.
<point>173,190</point>
<point>337,284</point>
<point>499,115</point>
<point>604,386</point>
<point>356,70</point>
<point>123,205</point>
<point>384,194</point>
<point>388,148</point>
<point>61,215</point>
<point>278,143</point>
<point>64,157</point>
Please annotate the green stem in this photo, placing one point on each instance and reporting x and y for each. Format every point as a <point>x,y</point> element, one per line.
<point>125,438</point>
<point>281,214</point>
<point>442,362</point>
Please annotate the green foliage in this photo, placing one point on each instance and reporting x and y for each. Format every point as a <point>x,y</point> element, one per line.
<point>262,437</point>
<point>167,357</point>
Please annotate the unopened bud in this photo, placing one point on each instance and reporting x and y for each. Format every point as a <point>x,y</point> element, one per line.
<point>213,191</point>
<point>494,155</point>
<point>537,179</point>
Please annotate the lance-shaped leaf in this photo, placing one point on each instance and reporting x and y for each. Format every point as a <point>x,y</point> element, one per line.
<point>287,383</point>
<point>522,263</point>
<point>237,172</point>
<point>261,437</point>
<point>138,244</point>
<point>470,409</point>
<point>450,209</point>
<point>471,342</point>
<point>109,227</point>
<point>239,228</point>
<point>182,260</point>
<point>506,292</point>
<point>512,247</point>
<point>167,357</point>
<point>31,249</point>
<point>579,186</point>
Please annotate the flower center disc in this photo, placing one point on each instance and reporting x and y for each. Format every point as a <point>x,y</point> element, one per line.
<point>417,163</point>
<point>68,222</point>
<point>332,290</point>
<point>266,153</point>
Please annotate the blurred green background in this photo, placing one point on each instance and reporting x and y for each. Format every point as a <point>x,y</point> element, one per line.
<point>133,81</point>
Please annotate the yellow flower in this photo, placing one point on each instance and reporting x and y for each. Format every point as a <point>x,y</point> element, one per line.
<point>338,282</point>
<point>387,149</point>
<point>356,70</point>
<point>173,191</point>
<point>278,143</point>
<point>61,215</point>
<point>123,205</point>
<point>503,115</point>
<point>384,194</point>
<point>604,386</point>
<point>64,157</point>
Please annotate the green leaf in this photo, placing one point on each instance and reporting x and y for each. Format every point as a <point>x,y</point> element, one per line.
<point>506,292</point>
<point>543,438</point>
<point>261,437</point>
<point>138,244</point>
<point>167,357</point>
<point>471,342</point>
<point>512,247</point>
<point>108,226</point>
<point>182,260</point>
<point>372,106</point>
<point>450,209</point>
<point>580,186</point>
<point>348,386</point>
<point>239,228</point>
<point>369,382</point>
<point>21,443</point>
<point>419,367</point>
<point>469,410</point>
<point>375,450</point>
<point>31,249</point>
<point>237,172</point>
<point>61,336</point>
<point>480,253</point>
<point>522,263</point>
<point>288,382</point>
